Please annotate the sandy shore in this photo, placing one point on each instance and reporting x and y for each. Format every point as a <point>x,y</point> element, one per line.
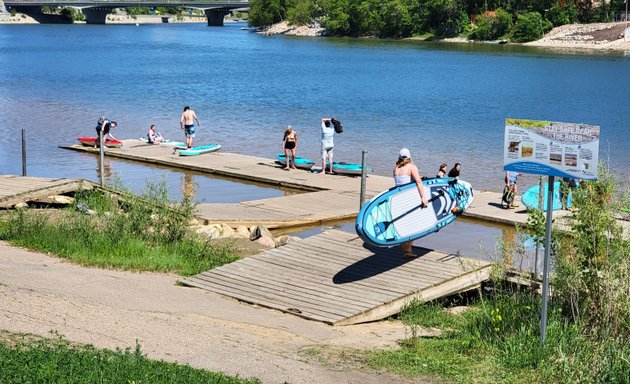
<point>109,309</point>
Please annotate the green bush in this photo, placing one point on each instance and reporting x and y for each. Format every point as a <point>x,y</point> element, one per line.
<point>562,14</point>
<point>263,13</point>
<point>492,27</point>
<point>301,12</point>
<point>136,233</point>
<point>529,26</point>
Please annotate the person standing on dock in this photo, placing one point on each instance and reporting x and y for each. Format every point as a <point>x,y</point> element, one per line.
<point>328,134</point>
<point>187,123</point>
<point>105,124</point>
<point>405,172</point>
<point>289,143</point>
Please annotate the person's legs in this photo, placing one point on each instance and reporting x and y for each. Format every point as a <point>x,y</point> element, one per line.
<point>323,161</point>
<point>293,158</point>
<point>330,159</point>
<point>407,249</point>
<point>287,158</point>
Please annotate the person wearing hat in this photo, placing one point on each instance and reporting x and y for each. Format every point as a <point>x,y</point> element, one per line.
<point>405,172</point>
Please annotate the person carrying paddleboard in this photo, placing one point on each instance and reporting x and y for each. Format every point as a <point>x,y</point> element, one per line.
<point>405,172</point>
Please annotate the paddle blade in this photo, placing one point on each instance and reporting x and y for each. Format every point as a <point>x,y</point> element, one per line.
<point>380,228</point>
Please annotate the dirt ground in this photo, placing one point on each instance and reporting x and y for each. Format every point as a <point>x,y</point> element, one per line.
<point>108,308</point>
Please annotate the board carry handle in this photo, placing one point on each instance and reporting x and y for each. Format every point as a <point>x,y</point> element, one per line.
<point>384,225</point>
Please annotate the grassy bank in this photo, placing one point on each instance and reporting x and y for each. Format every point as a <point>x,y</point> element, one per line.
<point>147,233</point>
<point>498,338</point>
<point>36,360</point>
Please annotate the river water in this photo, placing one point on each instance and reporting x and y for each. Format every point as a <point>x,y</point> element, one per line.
<point>445,102</point>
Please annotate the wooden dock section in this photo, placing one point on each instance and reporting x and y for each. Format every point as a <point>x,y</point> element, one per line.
<point>330,198</point>
<point>333,278</point>
<point>22,189</point>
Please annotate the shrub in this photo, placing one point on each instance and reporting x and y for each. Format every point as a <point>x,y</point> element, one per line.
<point>529,26</point>
<point>492,27</point>
<point>561,15</point>
<point>301,12</point>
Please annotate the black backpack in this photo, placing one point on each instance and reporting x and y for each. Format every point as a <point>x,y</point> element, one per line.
<point>337,124</point>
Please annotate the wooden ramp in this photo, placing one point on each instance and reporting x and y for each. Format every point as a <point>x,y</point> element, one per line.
<point>333,278</point>
<point>21,189</point>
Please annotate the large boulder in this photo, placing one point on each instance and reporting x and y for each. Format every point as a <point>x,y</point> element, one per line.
<point>258,231</point>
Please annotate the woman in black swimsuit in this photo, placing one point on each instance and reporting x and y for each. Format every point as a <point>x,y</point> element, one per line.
<point>289,142</point>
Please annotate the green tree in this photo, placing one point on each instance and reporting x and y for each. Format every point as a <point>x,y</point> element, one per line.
<point>336,19</point>
<point>530,26</point>
<point>441,17</point>
<point>492,27</point>
<point>560,14</point>
<point>301,12</point>
<point>263,13</point>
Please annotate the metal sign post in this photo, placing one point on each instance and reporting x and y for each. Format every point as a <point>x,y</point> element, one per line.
<point>547,258</point>
<point>363,177</point>
<point>102,157</point>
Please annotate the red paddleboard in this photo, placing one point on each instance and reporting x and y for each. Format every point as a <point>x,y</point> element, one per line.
<point>92,141</point>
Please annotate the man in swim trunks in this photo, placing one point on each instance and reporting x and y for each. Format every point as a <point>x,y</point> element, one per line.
<point>187,123</point>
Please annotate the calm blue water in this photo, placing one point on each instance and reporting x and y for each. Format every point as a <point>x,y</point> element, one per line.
<point>446,102</point>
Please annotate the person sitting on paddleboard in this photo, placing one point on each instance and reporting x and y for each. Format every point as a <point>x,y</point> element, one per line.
<point>153,136</point>
<point>405,172</point>
<point>105,125</point>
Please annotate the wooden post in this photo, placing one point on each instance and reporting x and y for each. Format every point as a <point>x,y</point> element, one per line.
<point>23,152</point>
<point>363,177</point>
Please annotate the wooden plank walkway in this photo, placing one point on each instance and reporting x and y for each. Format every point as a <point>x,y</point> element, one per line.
<point>20,189</point>
<point>331,277</point>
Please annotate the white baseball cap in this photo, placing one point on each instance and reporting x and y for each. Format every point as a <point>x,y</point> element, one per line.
<point>404,153</point>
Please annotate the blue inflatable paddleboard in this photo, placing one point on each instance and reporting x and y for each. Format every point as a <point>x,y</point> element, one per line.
<point>530,197</point>
<point>194,151</point>
<point>396,215</point>
<point>300,162</point>
<point>352,169</point>
<point>167,142</point>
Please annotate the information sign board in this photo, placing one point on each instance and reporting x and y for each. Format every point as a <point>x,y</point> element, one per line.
<point>551,148</point>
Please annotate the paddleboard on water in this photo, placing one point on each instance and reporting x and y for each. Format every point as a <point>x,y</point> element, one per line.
<point>167,142</point>
<point>396,216</point>
<point>300,162</point>
<point>92,142</point>
<point>530,197</point>
<point>200,150</point>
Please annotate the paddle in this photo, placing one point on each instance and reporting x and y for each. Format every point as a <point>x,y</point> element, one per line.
<point>384,225</point>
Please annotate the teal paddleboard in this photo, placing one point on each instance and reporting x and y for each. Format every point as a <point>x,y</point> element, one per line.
<point>195,151</point>
<point>530,197</point>
<point>300,162</point>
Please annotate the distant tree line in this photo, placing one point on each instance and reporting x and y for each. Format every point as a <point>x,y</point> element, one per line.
<point>517,20</point>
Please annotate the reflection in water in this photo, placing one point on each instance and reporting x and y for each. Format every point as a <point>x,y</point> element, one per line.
<point>189,187</point>
<point>107,169</point>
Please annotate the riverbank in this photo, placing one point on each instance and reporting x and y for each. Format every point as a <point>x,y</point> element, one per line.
<point>597,36</point>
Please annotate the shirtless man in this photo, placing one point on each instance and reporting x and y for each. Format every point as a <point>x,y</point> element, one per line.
<point>187,123</point>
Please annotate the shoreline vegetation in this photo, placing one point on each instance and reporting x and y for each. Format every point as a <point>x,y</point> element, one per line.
<point>573,37</point>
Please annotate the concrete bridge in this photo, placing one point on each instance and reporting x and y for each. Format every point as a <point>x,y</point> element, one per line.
<point>96,11</point>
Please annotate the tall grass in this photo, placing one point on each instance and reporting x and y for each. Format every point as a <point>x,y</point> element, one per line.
<point>25,360</point>
<point>145,232</point>
<point>588,333</point>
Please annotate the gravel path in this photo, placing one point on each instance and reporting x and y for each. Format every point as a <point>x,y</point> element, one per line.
<point>109,309</point>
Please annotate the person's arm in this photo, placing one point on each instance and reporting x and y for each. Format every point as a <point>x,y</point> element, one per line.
<point>507,178</point>
<point>181,122</point>
<point>196,119</point>
<point>415,176</point>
